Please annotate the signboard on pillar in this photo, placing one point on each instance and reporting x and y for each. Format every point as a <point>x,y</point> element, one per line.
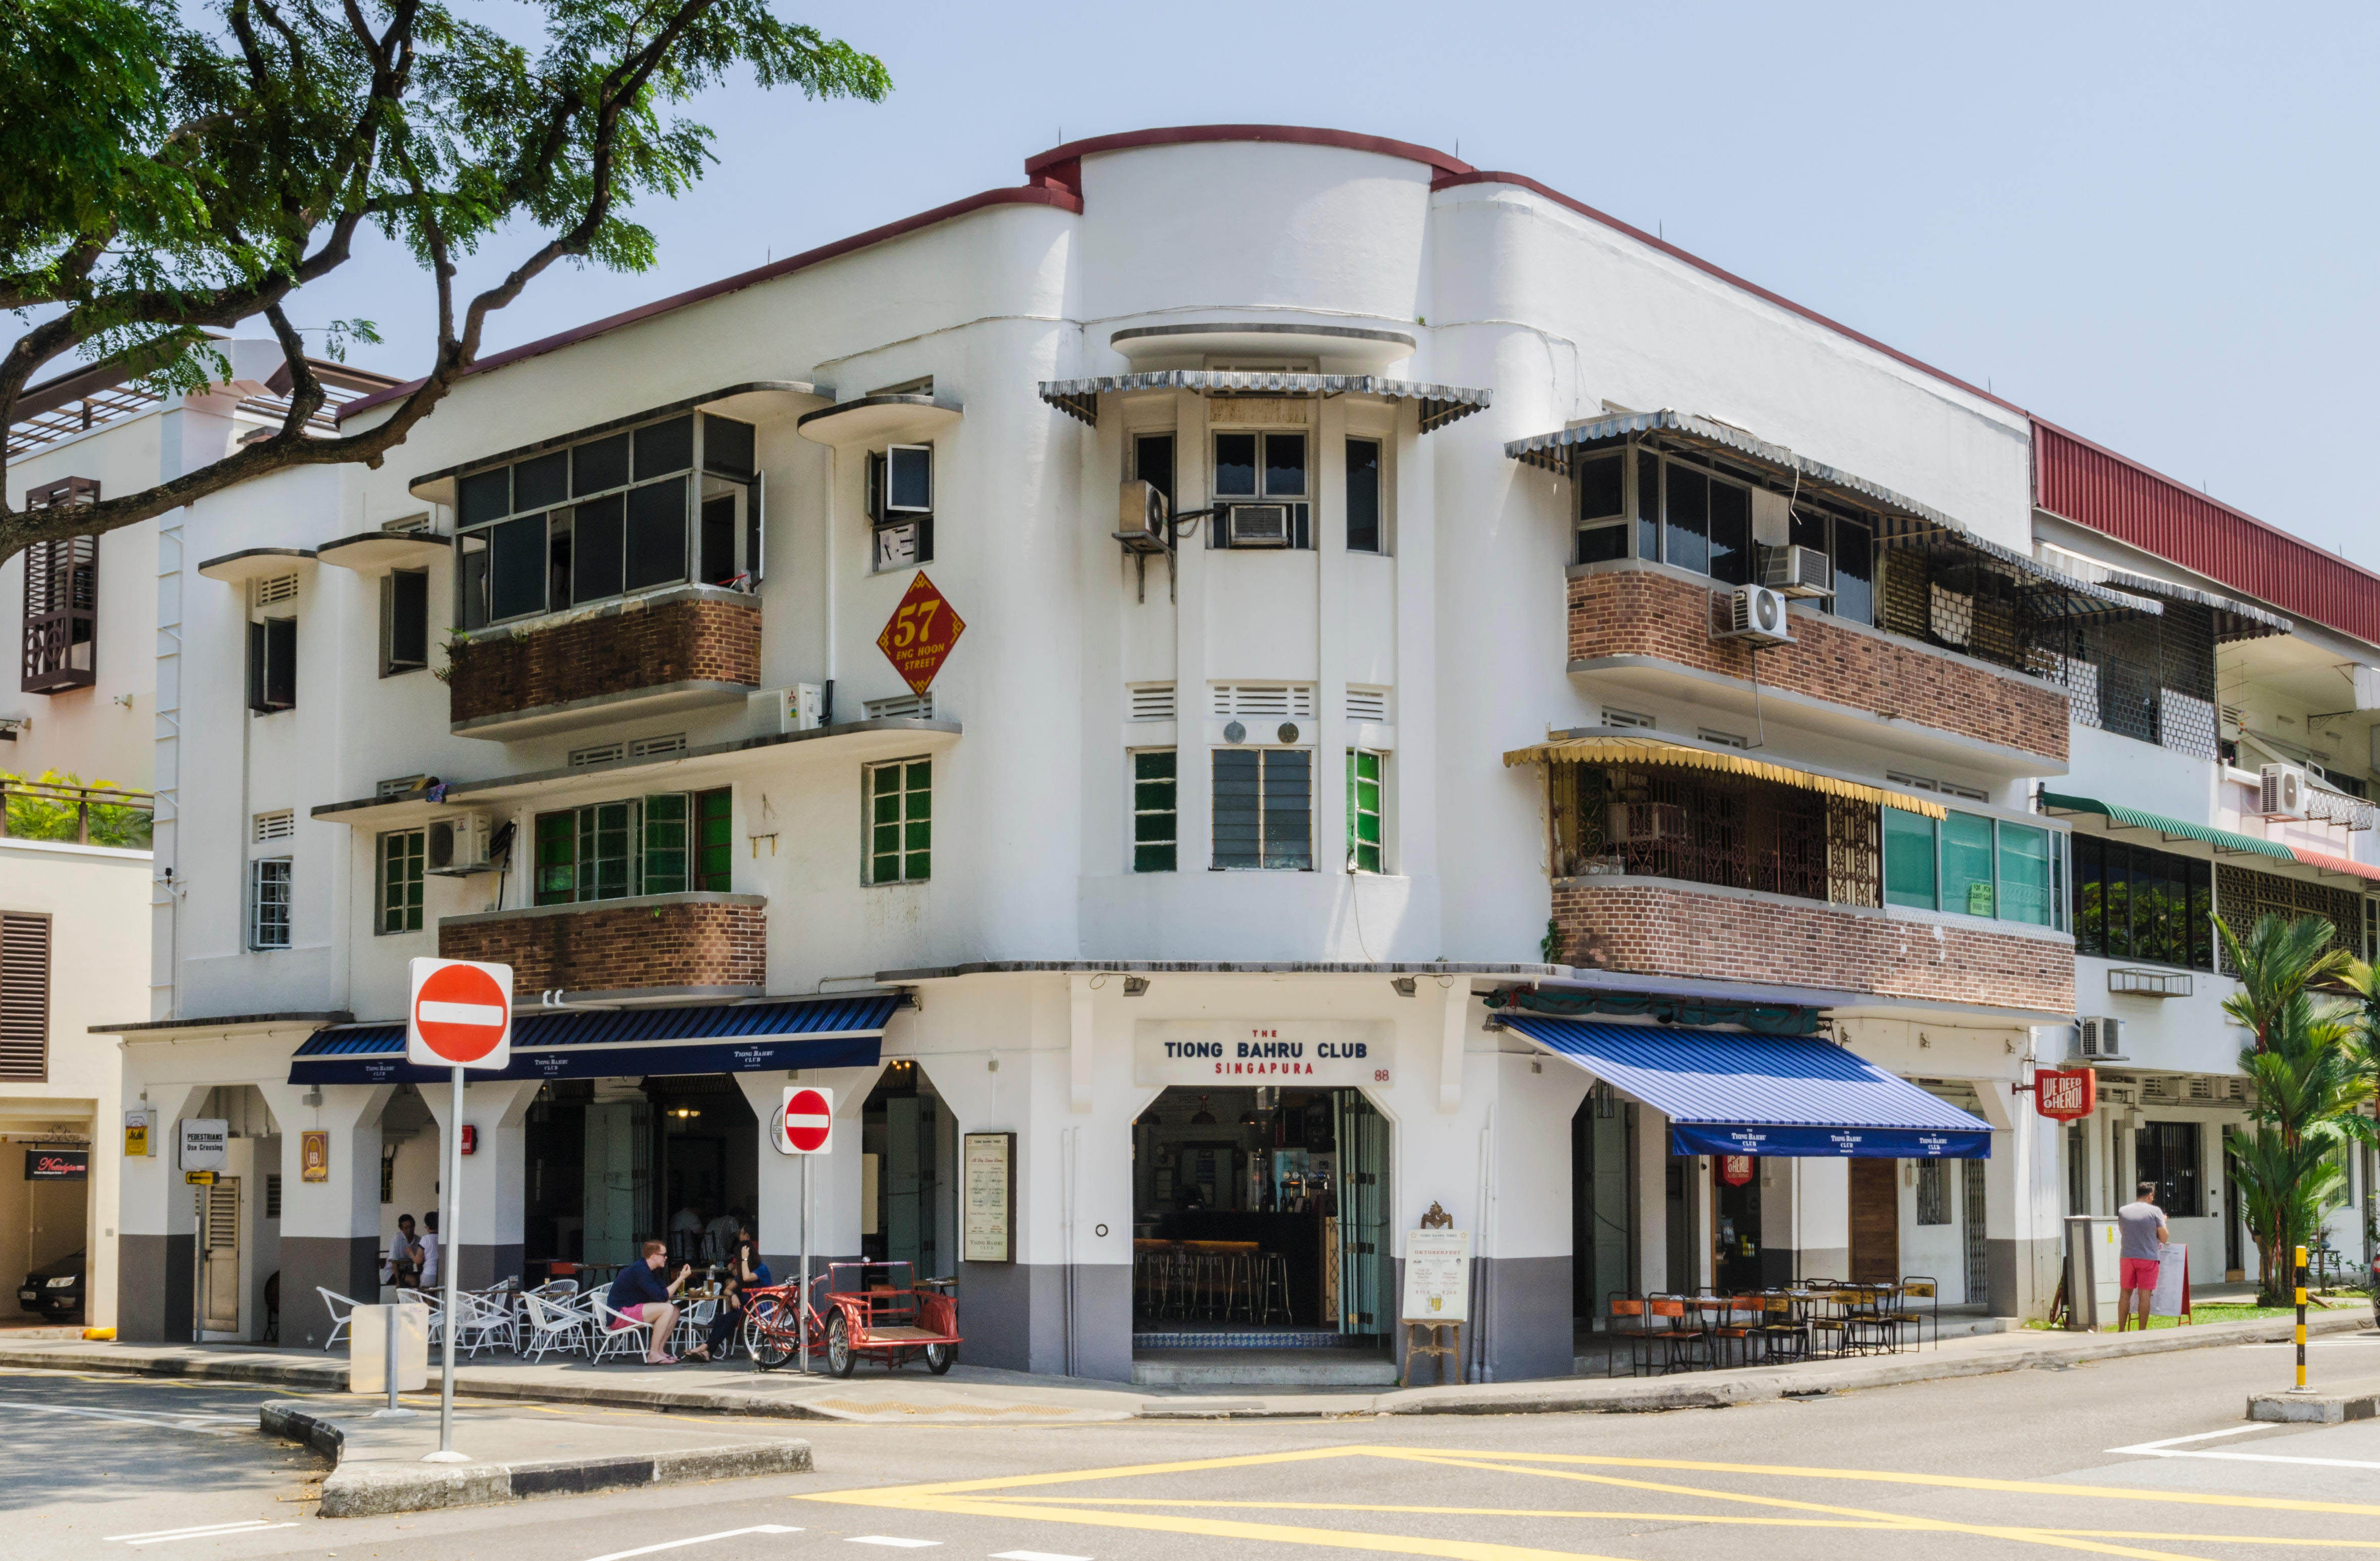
<point>204,1141</point>
<point>141,1134</point>
<point>460,1014</point>
<point>1317,1054</point>
<point>988,1198</point>
<point>314,1155</point>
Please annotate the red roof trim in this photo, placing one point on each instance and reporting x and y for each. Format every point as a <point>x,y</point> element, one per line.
<point>1053,161</point>
<point>1731,278</point>
<point>1029,195</point>
<point>2330,863</point>
<point>2092,485</point>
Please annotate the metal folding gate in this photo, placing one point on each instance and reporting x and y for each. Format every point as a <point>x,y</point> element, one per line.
<point>1365,1290</point>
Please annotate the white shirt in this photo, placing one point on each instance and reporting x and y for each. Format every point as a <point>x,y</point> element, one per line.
<point>429,1277</point>
<point>400,1251</point>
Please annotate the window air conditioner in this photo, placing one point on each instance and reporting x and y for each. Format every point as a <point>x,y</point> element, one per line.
<point>2281,792</point>
<point>1798,572</point>
<point>1140,517</point>
<point>1756,614</point>
<point>459,845</point>
<point>2100,1040</point>
<point>1257,525</point>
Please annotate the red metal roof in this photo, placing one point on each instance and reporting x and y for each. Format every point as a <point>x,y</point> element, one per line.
<point>2093,486</point>
<point>2330,863</point>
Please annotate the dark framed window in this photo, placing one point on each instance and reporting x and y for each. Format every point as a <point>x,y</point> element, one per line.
<point>901,506</point>
<point>1933,1192</point>
<point>1602,486</point>
<point>661,843</point>
<point>2169,1154</point>
<point>2131,902</point>
<point>1262,468</point>
<point>399,899</point>
<point>268,903</point>
<point>1156,820</point>
<point>1364,497</point>
<point>1263,809</point>
<point>272,665</point>
<point>1152,462</point>
<point>404,621</point>
<point>1685,514</point>
<point>900,821</point>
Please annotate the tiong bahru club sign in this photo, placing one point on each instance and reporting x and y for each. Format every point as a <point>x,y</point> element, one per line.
<point>1232,1053</point>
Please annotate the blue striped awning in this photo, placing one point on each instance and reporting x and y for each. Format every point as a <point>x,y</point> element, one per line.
<point>716,1038</point>
<point>1793,1096</point>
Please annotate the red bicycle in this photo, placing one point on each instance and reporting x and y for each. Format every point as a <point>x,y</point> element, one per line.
<point>860,1309</point>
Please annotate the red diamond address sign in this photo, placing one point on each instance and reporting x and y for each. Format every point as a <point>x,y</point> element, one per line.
<point>918,636</point>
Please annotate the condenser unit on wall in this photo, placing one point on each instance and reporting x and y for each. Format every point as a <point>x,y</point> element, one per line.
<point>2281,791</point>
<point>2100,1040</point>
<point>1141,518</point>
<point>1798,572</point>
<point>460,844</point>
<point>1756,614</point>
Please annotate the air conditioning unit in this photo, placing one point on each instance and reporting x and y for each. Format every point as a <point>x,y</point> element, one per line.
<point>1798,572</point>
<point>1257,525</point>
<point>1141,517</point>
<point>459,845</point>
<point>1756,614</point>
<point>801,708</point>
<point>2100,1040</point>
<point>2281,791</point>
<point>1638,823</point>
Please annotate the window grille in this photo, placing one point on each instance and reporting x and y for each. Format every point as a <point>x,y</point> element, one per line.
<point>1722,740</point>
<point>1263,809</point>
<point>1368,704</point>
<point>61,620</point>
<point>398,786</point>
<point>279,824</point>
<point>657,748</point>
<point>905,707</point>
<point>268,903</point>
<point>24,998</point>
<point>402,858</point>
<point>2241,896</point>
<point>599,753</point>
<point>273,1195</point>
<point>1151,702</point>
<point>275,589</point>
<point>1634,720</point>
<point>1932,1200</point>
<point>900,796</point>
<point>1262,702</point>
<point>1155,817</point>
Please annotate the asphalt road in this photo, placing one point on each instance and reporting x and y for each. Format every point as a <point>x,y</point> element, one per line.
<point>2145,1457</point>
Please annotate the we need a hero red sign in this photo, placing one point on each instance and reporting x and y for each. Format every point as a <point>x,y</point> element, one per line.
<point>2065,1094</point>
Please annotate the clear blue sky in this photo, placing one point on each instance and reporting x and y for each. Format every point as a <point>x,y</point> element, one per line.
<point>2153,225</point>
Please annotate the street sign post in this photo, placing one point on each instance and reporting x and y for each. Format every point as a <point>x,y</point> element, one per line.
<point>805,1127</point>
<point>459,1016</point>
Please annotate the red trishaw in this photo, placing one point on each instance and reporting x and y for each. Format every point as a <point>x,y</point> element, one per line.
<point>855,1309</point>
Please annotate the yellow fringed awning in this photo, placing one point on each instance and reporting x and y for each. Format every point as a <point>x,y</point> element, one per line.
<point>1645,750</point>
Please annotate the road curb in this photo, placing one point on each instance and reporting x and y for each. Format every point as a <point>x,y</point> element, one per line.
<point>376,1489</point>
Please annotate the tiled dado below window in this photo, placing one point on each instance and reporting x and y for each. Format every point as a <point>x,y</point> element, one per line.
<point>1655,926</point>
<point>680,648</point>
<point>693,942</point>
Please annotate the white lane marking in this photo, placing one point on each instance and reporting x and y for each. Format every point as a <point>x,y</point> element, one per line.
<point>888,1539</point>
<point>134,1417</point>
<point>209,1531</point>
<point>1034,1555</point>
<point>698,1539</point>
<point>2200,1436</point>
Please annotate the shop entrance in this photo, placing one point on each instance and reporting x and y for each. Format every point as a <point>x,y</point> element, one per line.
<point>1261,1219</point>
<point>1736,1227</point>
<point>1603,1207</point>
<point>908,1193</point>
<point>609,1163</point>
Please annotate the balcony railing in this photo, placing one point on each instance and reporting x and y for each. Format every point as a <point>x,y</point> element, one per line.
<point>693,944</point>
<point>686,646</point>
<point>88,815</point>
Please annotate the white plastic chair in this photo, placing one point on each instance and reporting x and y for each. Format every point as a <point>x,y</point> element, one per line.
<point>616,1332</point>
<point>483,1322</point>
<point>694,1324</point>
<point>436,1301</point>
<point>331,1302</point>
<point>552,1326</point>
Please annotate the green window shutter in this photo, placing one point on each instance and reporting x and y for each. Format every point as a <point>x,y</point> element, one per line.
<point>1155,821</point>
<point>918,824</point>
<point>557,858</point>
<point>664,843</point>
<point>714,833</point>
<point>1363,811</point>
<point>1908,858</point>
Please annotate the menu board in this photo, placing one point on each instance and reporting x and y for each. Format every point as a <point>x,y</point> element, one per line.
<point>987,1229</point>
<point>1437,1277</point>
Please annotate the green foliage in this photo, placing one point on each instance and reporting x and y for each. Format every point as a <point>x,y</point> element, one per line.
<point>43,815</point>
<point>2308,1061</point>
<point>1550,947</point>
<point>168,171</point>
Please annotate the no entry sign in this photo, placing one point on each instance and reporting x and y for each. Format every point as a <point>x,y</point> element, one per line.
<point>806,1121</point>
<point>460,1016</point>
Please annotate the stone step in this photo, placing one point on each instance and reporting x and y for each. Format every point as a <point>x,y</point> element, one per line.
<point>1263,1368</point>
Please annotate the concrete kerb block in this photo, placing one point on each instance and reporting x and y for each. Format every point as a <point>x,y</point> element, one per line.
<point>2313,1409</point>
<point>377,1489</point>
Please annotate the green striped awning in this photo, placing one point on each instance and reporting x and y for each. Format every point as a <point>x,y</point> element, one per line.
<point>2172,829</point>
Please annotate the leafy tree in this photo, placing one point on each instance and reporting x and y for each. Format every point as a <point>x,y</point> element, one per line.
<point>59,806</point>
<point>2310,1084</point>
<point>168,171</point>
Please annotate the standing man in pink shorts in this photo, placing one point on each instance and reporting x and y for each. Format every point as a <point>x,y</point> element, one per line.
<point>2144,1232</point>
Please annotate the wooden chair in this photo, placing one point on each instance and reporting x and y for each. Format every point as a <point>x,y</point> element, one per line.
<point>1627,1319</point>
<point>1739,1324</point>
<point>1916,1290</point>
<point>1782,1332</point>
<point>1682,1335</point>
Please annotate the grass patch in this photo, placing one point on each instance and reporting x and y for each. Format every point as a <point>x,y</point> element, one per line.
<point>2225,1312</point>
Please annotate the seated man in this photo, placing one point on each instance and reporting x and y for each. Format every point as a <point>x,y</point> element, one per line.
<point>638,1295</point>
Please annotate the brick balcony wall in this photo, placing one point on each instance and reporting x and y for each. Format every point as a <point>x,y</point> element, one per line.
<point>612,946</point>
<point>1660,927</point>
<point>1642,613</point>
<point>699,635</point>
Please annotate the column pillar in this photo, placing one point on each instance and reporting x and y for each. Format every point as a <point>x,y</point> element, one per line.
<point>480,1221</point>
<point>1652,1144</point>
<point>157,1222</point>
<point>330,1229</point>
<point>834,1232</point>
<point>1822,1197</point>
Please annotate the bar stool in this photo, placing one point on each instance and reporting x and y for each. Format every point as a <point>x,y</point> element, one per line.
<point>1272,1287</point>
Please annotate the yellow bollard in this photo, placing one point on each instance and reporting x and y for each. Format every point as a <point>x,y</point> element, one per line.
<point>2301,1305</point>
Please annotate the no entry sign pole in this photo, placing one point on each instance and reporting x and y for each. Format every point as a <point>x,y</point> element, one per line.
<point>806,1128</point>
<point>461,1016</point>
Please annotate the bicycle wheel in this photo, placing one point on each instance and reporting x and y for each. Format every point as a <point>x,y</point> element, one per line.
<point>941,1358</point>
<point>768,1333</point>
<point>840,1357</point>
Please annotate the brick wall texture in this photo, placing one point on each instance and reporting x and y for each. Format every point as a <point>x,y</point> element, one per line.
<point>707,638</point>
<point>1661,929</point>
<point>609,949</point>
<point>1639,612</point>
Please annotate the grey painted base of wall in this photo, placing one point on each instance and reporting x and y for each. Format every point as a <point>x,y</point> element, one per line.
<point>346,1266</point>
<point>156,1281</point>
<point>2023,1274</point>
<point>482,1266</point>
<point>1525,1306</point>
<point>1013,1316</point>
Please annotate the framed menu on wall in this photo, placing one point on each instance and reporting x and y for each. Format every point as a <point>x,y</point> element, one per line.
<point>988,1201</point>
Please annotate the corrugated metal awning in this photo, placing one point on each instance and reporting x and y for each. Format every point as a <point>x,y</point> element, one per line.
<point>1901,520</point>
<point>1726,1094</point>
<point>1649,750</point>
<point>2116,814</point>
<point>717,1038</point>
<point>2339,867</point>
<point>1440,404</point>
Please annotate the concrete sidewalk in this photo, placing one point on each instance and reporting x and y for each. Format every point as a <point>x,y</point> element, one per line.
<point>980,1395</point>
<point>381,1468</point>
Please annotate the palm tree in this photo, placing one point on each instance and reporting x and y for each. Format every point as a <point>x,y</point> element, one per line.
<point>2308,1061</point>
